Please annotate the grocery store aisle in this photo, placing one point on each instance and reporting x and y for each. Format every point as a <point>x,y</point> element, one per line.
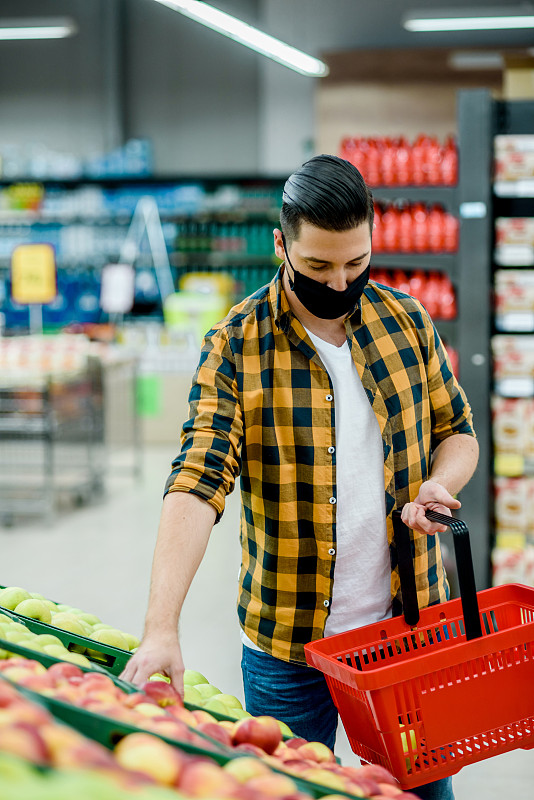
<point>99,558</point>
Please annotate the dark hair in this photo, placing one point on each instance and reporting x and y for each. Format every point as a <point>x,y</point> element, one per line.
<point>327,192</point>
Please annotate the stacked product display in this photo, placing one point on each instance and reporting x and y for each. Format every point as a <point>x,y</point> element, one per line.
<point>513,359</point>
<point>65,711</point>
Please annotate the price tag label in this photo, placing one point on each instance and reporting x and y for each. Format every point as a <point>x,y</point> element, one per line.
<point>118,286</point>
<point>33,274</point>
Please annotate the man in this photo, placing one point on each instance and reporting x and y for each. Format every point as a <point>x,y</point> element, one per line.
<point>333,399</point>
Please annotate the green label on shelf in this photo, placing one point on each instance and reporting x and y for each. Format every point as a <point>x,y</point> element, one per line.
<point>149,393</point>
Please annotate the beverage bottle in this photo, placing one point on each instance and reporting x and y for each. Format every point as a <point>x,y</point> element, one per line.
<point>391,222</point>
<point>432,294</point>
<point>436,229</point>
<point>418,160</point>
<point>403,159</point>
<point>448,308</point>
<point>451,232</point>
<point>373,175</point>
<point>406,230</point>
<point>416,284</point>
<point>388,162</point>
<point>420,228</point>
<point>378,230</point>
<point>433,162</point>
<point>449,162</point>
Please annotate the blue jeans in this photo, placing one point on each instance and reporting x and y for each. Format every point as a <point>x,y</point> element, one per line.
<point>298,695</point>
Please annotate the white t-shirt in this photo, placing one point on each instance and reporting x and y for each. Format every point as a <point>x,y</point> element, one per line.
<point>362,576</point>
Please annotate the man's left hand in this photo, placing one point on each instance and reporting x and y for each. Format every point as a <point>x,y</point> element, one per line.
<point>431,496</point>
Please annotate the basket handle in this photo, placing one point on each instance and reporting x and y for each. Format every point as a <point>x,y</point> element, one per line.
<point>464,565</point>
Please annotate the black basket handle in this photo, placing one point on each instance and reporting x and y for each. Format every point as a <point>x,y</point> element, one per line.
<point>464,565</point>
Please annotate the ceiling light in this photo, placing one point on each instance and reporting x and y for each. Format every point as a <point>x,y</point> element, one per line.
<point>469,20</point>
<point>475,60</point>
<point>42,28</point>
<point>249,36</point>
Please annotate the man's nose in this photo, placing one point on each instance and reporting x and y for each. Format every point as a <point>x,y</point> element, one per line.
<point>338,281</point>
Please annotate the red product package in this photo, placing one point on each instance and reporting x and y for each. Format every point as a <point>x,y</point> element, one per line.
<point>406,233</point>
<point>403,162</point>
<point>391,229</point>
<point>419,149</point>
<point>436,229</point>
<point>388,162</point>
<point>378,230</point>
<point>432,294</point>
<point>447,308</point>
<point>432,165</point>
<point>451,229</point>
<point>449,162</point>
<point>420,228</point>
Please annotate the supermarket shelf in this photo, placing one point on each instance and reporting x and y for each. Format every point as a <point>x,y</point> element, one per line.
<point>441,262</point>
<point>143,180</point>
<point>446,195</point>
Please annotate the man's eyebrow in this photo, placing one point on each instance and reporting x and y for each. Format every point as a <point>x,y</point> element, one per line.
<point>324,261</point>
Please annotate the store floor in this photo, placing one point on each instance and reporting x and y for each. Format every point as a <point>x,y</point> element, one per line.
<point>98,558</point>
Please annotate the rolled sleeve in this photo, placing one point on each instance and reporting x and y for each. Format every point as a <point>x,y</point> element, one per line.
<point>450,410</point>
<point>209,461</point>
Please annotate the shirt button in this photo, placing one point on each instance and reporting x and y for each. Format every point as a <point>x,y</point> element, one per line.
<point>329,398</point>
<point>326,603</point>
<point>331,450</point>
<point>331,552</point>
<point>332,501</point>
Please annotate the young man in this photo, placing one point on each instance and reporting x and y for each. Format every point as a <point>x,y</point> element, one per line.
<point>333,399</point>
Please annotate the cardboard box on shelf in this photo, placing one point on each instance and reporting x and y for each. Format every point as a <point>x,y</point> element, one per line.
<point>518,78</point>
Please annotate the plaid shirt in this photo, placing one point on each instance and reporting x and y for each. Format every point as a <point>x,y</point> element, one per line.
<point>262,406</point>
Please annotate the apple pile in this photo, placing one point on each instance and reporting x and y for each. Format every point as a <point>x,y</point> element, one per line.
<point>20,779</point>
<point>18,633</point>
<point>67,618</point>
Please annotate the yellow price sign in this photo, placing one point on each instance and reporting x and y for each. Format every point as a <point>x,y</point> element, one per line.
<point>33,274</point>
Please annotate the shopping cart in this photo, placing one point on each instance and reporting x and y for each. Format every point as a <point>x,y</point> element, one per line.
<point>429,693</point>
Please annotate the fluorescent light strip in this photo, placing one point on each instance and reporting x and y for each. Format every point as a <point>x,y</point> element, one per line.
<point>249,36</point>
<point>470,23</point>
<point>54,32</point>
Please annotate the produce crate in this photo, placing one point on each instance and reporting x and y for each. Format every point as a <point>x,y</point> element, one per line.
<point>113,659</point>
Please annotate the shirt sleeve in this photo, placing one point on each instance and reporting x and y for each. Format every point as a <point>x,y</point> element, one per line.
<point>209,461</point>
<point>450,409</point>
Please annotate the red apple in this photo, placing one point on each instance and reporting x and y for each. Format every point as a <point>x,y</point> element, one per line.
<point>202,716</point>
<point>387,790</point>
<point>262,731</point>
<point>162,693</point>
<point>245,768</point>
<point>215,731</point>
<point>375,772</point>
<point>316,751</point>
<point>251,749</point>
<point>362,787</point>
<point>273,785</point>
<point>203,778</point>
<point>296,742</point>
<point>152,756</point>
<point>64,671</point>
<point>24,740</point>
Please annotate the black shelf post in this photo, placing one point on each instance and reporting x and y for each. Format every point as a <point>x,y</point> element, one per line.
<point>475,138</point>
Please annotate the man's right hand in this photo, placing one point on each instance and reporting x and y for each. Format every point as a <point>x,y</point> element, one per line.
<point>156,653</point>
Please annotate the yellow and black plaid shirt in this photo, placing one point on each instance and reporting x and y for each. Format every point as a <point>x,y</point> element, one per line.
<point>262,406</point>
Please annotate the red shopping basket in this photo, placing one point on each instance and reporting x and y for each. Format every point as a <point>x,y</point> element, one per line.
<point>428,693</point>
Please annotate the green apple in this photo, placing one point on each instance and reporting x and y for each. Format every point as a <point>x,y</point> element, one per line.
<point>206,690</point>
<point>77,658</point>
<point>36,609</point>
<point>286,730</point>
<point>11,596</point>
<point>101,626</point>
<point>4,654</point>
<point>37,596</point>
<point>157,676</point>
<point>213,704</point>
<point>68,622</point>
<point>192,678</point>
<point>111,637</point>
<point>18,626</point>
<point>4,619</point>
<point>229,700</point>
<point>132,641</point>
<point>192,695</point>
<point>18,637</point>
<point>62,607</point>
<point>55,650</point>
<point>90,619</point>
<point>47,638</point>
<point>237,713</point>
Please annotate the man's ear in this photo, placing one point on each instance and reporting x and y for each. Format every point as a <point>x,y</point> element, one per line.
<point>279,244</point>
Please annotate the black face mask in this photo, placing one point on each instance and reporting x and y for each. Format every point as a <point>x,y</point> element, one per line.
<point>321,300</point>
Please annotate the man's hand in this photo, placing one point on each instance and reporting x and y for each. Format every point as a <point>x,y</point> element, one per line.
<point>156,653</point>
<point>431,496</point>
